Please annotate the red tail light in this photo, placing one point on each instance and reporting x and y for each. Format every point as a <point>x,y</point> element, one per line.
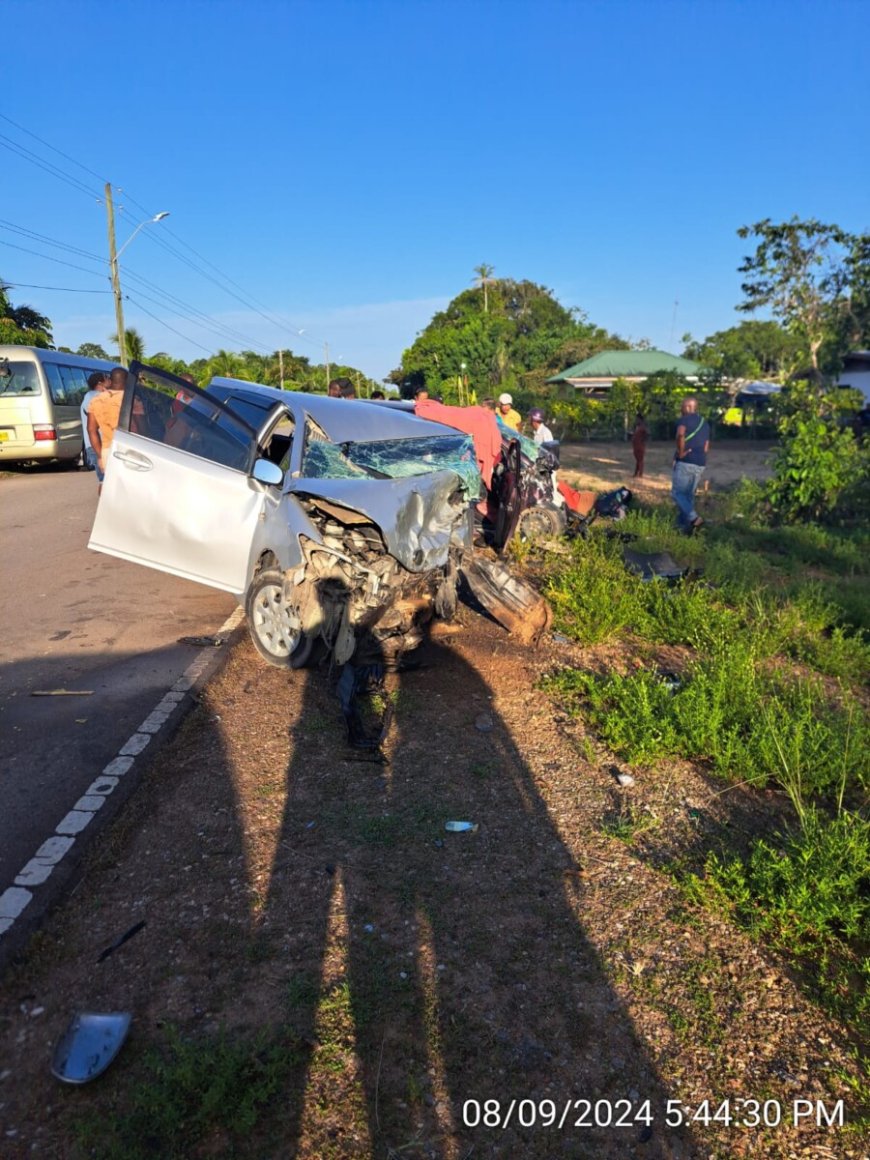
<point>44,432</point>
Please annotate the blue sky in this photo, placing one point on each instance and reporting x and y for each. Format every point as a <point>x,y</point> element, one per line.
<point>347,164</point>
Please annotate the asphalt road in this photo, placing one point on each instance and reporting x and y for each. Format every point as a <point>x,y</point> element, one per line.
<point>75,619</point>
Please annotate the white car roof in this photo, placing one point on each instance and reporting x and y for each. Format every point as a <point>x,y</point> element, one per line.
<point>343,420</point>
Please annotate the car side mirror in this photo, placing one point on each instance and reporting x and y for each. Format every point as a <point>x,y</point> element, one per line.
<point>265,471</point>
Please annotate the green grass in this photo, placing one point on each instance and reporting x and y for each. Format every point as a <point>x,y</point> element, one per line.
<point>805,893</point>
<point>191,1091</point>
<point>749,724</point>
<point>777,615</point>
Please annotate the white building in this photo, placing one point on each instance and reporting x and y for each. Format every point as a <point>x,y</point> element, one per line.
<point>856,372</point>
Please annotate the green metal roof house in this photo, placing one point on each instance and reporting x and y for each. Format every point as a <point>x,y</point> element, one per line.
<point>597,374</point>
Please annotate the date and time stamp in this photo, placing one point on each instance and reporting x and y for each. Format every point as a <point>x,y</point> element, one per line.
<point>578,1114</point>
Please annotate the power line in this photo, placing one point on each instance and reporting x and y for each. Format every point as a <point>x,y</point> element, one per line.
<point>49,258</point>
<point>66,289</point>
<point>215,325</point>
<point>253,344</point>
<point>174,301</point>
<point>27,155</point>
<point>53,148</point>
<point>166,324</point>
<point>248,302</point>
<point>154,237</point>
<point>56,171</point>
<point>37,237</point>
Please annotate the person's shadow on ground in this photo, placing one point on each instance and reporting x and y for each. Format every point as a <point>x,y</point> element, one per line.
<point>455,964</point>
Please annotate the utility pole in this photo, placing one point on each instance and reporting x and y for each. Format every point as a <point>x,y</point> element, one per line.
<point>281,367</point>
<point>326,356</point>
<point>116,281</point>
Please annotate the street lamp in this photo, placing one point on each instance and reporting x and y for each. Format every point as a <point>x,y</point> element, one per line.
<point>158,217</point>
<point>114,255</point>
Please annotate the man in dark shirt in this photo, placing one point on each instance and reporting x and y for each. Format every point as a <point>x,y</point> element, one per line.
<point>690,459</point>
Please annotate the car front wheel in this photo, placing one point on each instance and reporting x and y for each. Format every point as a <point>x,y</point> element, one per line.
<point>274,624</point>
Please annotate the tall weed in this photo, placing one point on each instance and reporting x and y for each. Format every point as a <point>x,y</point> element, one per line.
<point>805,893</point>
<point>593,597</point>
<point>749,724</point>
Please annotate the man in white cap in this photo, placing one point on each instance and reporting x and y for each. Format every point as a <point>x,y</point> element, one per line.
<point>506,412</point>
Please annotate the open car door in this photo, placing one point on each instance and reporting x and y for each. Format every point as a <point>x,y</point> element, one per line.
<point>178,494</point>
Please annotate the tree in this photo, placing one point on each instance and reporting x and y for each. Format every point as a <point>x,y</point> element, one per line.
<point>804,271</point>
<point>749,351</point>
<point>819,462</point>
<point>524,336</point>
<point>92,350</point>
<point>484,274</point>
<point>134,343</point>
<point>29,319</point>
<point>225,364</point>
<point>22,325</point>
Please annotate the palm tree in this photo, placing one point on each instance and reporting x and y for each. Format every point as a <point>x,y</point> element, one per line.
<point>134,343</point>
<point>24,317</point>
<point>226,364</point>
<point>484,274</point>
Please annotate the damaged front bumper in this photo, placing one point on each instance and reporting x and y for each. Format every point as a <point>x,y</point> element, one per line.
<point>369,585</point>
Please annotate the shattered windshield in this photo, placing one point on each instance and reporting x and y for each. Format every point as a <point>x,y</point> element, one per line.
<point>394,459</point>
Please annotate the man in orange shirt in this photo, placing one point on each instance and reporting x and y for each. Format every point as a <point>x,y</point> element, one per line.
<point>103,417</point>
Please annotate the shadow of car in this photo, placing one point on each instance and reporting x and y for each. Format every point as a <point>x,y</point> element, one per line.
<point>329,520</point>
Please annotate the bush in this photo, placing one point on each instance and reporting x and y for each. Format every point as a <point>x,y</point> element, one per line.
<point>751,725</point>
<point>806,893</point>
<point>819,461</point>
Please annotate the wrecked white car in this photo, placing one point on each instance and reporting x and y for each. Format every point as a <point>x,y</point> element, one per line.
<point>330,520</point>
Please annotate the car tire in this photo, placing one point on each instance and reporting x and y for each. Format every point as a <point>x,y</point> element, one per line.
<point>270,623</point>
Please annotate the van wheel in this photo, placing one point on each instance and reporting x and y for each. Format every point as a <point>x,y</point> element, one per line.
<point>273,623</point>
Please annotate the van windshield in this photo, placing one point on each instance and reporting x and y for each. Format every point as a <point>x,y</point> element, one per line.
<point>18,377</point>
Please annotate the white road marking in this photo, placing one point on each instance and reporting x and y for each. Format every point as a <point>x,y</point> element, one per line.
<point>15,900</point>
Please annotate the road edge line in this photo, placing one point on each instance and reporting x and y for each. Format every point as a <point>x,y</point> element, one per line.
<point>36,872</point>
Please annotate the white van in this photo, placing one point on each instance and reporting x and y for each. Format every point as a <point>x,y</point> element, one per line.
<point>41,392</point>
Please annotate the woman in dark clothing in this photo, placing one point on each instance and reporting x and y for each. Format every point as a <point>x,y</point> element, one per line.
<point>639,437</point>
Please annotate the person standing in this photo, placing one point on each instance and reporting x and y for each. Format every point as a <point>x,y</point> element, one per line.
<point>103,416</point>
<point>690,459</point>
<point>97,381</point>
<point>506,412</point>
<point>639,439</point>
<point>541,433</point>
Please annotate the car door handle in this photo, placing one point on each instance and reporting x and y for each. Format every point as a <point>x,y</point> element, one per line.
<point>134,460</point>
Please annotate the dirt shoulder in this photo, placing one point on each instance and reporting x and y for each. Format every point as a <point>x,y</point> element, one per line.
<point>599,466</point>
<point>385,977</point>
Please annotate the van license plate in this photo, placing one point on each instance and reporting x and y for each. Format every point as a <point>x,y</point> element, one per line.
<point>3,436</point>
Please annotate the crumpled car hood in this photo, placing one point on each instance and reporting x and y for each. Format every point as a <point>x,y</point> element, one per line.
<point>415,515</point>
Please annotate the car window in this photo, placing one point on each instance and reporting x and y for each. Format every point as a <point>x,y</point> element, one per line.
<point>75,385</point>
<point>18,377</point>
<point>254,412</point>
<point>55,382</point>
<point>190,421</point>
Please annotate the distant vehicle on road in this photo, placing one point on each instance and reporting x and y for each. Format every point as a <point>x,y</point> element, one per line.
<point>41,392</point>
<point>331,520</point>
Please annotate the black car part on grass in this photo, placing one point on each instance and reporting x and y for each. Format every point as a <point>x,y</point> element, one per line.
<point>656,566</point>
<point>509,600</point>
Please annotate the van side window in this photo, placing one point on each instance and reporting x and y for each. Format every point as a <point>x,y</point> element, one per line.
<point>75,384</point>
<point>55,383</point>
